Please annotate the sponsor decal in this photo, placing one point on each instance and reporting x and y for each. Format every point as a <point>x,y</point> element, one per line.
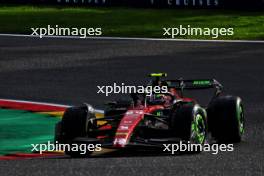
<point>120,141</point>
<point>123,127</point>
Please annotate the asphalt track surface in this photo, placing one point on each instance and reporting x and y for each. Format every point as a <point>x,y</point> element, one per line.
<point>67,71</point>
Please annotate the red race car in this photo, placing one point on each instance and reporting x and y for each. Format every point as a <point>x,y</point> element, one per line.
<point>151,121</point>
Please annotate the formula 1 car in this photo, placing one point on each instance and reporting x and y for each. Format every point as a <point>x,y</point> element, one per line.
<point>150,121</point>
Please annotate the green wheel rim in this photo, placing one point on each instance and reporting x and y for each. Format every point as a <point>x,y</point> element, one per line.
<point>240,116</point>
<point>198,129</point>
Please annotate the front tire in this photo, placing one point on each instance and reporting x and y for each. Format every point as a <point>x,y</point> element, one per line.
<point>75,123</point>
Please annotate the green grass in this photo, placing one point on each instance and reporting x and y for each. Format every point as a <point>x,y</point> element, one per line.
<point>129,22</point>
<point>19,129</point>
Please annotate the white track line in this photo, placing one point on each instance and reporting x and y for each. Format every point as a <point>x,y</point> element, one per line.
<point>133,38</point>
<point>43,103</point>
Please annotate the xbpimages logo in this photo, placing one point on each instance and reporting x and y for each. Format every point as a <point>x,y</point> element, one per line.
<point>128,89</point>
<point>66,31</point>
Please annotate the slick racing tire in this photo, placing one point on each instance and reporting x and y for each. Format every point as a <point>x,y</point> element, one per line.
<point>58,133</point>
<point>75,123</point>
<point>189,123</point>
<point>226,119</point>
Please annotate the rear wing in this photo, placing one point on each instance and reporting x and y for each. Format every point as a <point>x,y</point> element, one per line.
<point>195,84</point>
<point>184,84</point>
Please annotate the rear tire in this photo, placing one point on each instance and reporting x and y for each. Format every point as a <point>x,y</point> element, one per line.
<point>189,123</point>
<point>226,119</point>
